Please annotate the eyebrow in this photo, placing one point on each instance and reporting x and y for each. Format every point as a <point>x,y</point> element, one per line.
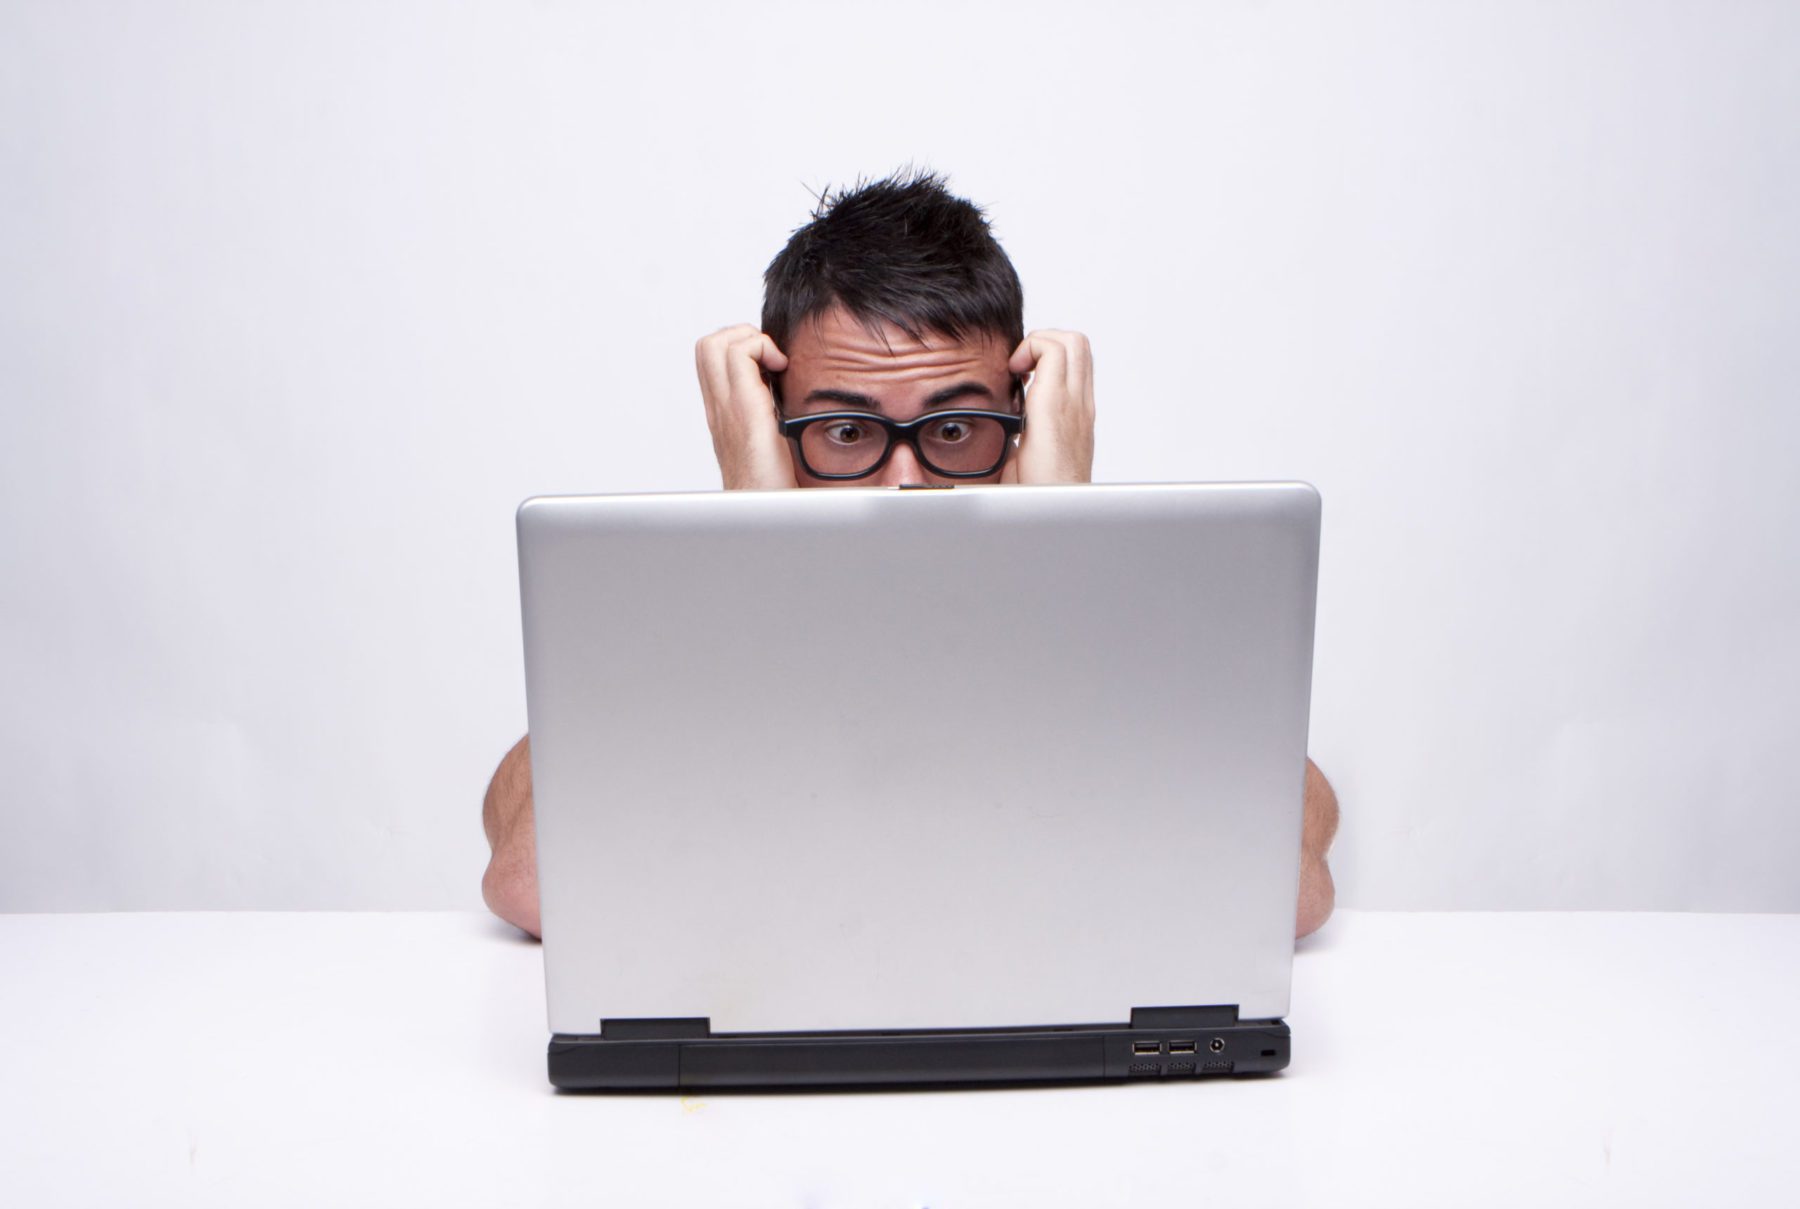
<point>862,402</point>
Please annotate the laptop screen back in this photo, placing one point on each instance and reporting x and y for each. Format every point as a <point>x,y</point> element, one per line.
<point>867,758</point>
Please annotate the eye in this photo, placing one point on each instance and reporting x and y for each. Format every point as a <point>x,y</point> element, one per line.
<point>950,432</point>
<point>846,432</point>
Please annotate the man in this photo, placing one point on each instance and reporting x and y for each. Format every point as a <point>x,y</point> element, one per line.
<point>893,305</point>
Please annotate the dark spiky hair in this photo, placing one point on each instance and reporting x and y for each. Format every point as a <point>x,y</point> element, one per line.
<point>901,250</point>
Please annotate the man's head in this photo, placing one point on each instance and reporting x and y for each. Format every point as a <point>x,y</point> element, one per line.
<point>895,300</point>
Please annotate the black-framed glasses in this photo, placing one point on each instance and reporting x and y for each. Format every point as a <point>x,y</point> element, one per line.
<point>856,444</point>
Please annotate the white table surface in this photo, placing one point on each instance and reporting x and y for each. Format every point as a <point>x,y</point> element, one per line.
<point>398,1059</point>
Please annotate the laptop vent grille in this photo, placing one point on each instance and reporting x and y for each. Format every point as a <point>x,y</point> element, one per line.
<point>1221,1068</point>
<point>1144,1068</point>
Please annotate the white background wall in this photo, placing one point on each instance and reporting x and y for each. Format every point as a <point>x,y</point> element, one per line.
<point>298,300</point>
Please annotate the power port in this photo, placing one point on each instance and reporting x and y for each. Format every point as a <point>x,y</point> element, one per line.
<point>1216,1045</point>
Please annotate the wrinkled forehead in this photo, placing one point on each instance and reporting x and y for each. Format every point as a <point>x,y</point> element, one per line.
<point>836,345</point>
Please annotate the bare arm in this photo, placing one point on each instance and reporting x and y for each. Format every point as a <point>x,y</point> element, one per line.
<point>1317,893</point>
<point>510,885</point>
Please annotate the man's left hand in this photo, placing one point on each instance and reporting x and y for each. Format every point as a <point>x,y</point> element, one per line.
<point>1058,442</point>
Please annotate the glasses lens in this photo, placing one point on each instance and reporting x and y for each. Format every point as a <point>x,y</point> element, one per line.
<point>843,446</point>
<point>963,444</point>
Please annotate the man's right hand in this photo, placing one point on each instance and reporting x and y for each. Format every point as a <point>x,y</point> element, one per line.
<point>740,409</point>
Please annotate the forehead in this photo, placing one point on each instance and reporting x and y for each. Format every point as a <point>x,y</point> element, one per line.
<point>837,345</point>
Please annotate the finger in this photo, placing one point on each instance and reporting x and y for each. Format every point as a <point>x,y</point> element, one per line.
<point>744,363</point>
<point>713,345</point>
<point>770,357</point>
<point>1024,358</point>
<point>757,349</point>
<point>1050,361</point>
<point>730,334</point>
<point>1037,344</point>
<point>710,353</point>
<point>1076,350</point>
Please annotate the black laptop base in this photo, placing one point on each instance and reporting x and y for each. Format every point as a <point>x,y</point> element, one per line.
<point>684,1054</point>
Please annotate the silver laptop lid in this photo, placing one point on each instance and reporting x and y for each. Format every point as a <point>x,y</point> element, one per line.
<point>878,758</point>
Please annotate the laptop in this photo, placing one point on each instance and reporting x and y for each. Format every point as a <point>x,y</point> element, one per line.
<point>875,786</point>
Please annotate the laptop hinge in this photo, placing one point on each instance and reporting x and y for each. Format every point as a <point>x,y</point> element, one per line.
<point>656,1028</point>
<point>1214,1016</point>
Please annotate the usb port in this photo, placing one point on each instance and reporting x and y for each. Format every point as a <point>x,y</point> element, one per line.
<point>1146,1047</point>
<point>1181,1047</point>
